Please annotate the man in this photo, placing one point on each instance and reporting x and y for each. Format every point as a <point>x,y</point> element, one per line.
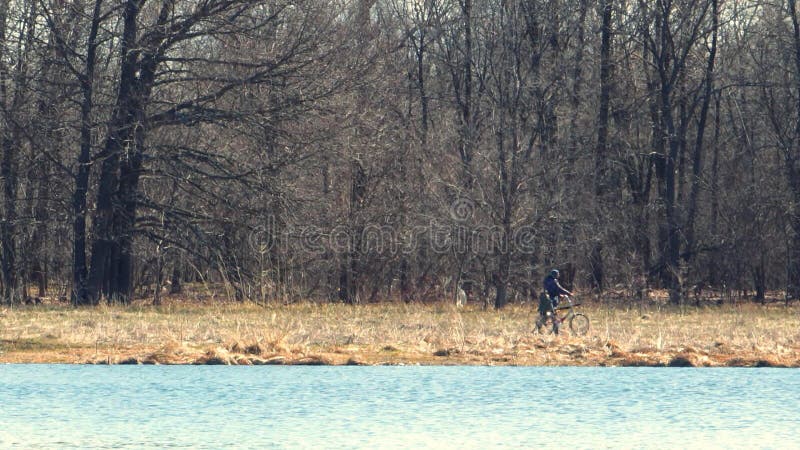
<point>553,290</point>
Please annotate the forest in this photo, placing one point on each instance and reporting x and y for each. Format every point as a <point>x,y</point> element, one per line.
<point>398,150</point>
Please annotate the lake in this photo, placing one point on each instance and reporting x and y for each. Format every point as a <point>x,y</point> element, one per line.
<point>74,406</point>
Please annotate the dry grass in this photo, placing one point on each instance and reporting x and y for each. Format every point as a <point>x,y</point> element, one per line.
<point>392,333</point>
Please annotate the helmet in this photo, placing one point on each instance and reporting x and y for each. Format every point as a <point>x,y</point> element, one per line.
<point>554,273</point>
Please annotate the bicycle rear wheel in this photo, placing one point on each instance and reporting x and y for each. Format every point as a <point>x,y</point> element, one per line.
<point>579,324</point>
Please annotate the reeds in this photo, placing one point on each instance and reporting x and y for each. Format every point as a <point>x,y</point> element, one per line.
<point>397,333</point>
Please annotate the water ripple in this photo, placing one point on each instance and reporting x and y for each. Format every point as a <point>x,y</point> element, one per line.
<point>54,406</point>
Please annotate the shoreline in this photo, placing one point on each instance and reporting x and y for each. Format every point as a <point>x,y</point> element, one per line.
<point>543,352</point>
<point>679,360</point>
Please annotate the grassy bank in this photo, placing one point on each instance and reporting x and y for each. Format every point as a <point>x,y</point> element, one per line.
<point>309,333</point>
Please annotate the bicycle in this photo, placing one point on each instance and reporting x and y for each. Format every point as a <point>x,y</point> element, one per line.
<point>578,322</point>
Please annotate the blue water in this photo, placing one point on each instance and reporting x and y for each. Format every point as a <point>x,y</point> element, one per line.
<point>62,406</point>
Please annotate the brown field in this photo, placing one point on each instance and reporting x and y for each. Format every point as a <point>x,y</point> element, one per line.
<point>181,332</point>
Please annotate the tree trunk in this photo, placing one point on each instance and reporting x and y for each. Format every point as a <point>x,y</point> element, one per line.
<point>112,252</point>
<point>595,256</point>
<point>466,131</point>
<point>175,281</point>
<point>792,161</point>
<point>503,266</point>
<point>760,279</point>
<point>8,229</point>
<point>405,282</point>
<point>104,245</point>
<point>103,273</point>
<point>713,264</point>
<point>670,243</point>
<point>697,160</point>
<point>130,170</point>
<point>8,169</point>
<point>79,270</point>
<point>346,287</point>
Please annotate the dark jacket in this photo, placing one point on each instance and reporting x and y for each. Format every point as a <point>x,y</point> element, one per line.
<point>553,288</point>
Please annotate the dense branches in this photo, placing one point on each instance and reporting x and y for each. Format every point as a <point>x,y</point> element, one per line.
<point>360,150</point>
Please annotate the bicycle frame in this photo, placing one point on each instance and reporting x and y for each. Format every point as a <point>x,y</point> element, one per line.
<point>569,307</point>
<point>557,320</point>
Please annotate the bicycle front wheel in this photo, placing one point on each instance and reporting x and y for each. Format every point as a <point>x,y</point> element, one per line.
<point>579,324</point>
